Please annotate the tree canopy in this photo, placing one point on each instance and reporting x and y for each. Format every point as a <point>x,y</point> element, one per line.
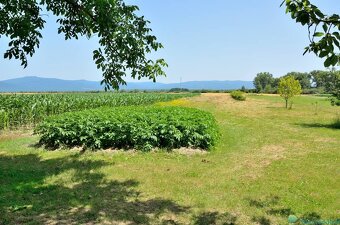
<point>326,79</point>
<point>124,37</point>
<point>303,78</point>
<point>263,81</point>
<point>323,30</point>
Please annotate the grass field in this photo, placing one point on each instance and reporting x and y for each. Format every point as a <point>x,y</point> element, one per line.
<point>270,163</point>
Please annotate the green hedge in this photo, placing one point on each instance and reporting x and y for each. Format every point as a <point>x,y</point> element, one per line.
<point>141,128</point>
<point>238,95</point>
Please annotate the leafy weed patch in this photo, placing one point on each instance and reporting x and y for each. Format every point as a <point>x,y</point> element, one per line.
<point>141,128</point>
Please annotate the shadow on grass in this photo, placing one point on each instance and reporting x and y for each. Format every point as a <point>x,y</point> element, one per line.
<point>271,208</point>
<point>215,218</point>
<point>276,107</point>
<point>262,220</point>
<point>27,198</point>
<point>320,125</point>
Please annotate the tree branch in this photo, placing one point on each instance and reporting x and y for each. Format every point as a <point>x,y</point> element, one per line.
<point>80,8</point>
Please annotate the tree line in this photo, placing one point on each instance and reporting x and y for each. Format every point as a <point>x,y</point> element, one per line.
<point>314,82</point>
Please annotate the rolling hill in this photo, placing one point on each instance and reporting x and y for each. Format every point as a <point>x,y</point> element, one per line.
<point>39,84</point>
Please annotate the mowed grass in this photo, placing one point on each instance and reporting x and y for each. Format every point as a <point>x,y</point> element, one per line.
<point>270,163</point>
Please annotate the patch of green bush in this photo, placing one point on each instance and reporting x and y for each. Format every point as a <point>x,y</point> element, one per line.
<point>238,95</point>
<point>142,128</point>
<point>335,101</point>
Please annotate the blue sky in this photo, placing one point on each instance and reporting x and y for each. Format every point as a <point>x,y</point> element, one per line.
<point>204,40</point>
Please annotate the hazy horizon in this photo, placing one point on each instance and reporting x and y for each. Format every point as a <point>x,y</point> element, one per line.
<point>136,81</point>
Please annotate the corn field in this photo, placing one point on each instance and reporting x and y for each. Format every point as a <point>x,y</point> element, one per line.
<point>17,110</point>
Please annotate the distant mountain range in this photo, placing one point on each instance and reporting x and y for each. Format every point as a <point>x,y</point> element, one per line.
<point>39,84</point>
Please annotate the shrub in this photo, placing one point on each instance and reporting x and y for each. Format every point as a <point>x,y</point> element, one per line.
<point>335,101</point>
<point>238,95</point>
<point>288,88</point>
<point>176,90</point>
<point>141,128</point>
<point>312,91</point>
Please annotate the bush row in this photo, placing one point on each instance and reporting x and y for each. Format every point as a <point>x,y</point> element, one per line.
<point>141,128</point>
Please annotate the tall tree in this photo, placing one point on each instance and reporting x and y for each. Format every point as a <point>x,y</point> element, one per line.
<point>323,30</point>
<point>326,79</point>
<point>319,78</point>
<point>275,83</point>
<point>263,81</point>
<point>332,83</point>
<point>124,37</point>
<point>303,78</point>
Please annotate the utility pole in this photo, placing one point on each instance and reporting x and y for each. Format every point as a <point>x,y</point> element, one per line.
<point>180,83</point>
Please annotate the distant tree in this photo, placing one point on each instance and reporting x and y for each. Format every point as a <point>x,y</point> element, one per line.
<point>323,30</point>
<point>331,81</point>
<point>303,78</point>
<point>268,88</point>
<point>288,88</point>
<point>243,88</point>
<point>124,37</point>
<point>179,90</point>
<point>275,83</point>
<point>336,92</point>
<point>262,80</point>
<point>325,79</point>
<point>332,85</point>
<point>319,78</point>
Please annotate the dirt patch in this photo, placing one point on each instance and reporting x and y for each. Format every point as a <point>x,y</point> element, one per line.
<point>190,151</point>
<point>11,135</point>
<point>181,151</point>
<point>119,151</point>
<point>224,102</point>
<point>326,140</point>
<point>270,153</point>
<point>253,164</point>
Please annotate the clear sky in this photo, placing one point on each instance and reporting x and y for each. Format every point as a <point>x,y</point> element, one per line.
<point>204,40</point>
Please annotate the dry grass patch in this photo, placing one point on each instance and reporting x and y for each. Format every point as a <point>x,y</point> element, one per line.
<point>190,151</point>
<point>326,140</point>
<point>14,134</point>
<point>254,163</point>
<point>251,108</point>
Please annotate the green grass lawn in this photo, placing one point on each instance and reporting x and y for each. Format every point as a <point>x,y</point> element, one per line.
<point>270,163</point>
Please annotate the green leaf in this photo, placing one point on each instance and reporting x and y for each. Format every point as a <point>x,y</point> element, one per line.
<point>323,54</point>
<point>318,34</point>
<point>331,61</point>
<point>325,27</point>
